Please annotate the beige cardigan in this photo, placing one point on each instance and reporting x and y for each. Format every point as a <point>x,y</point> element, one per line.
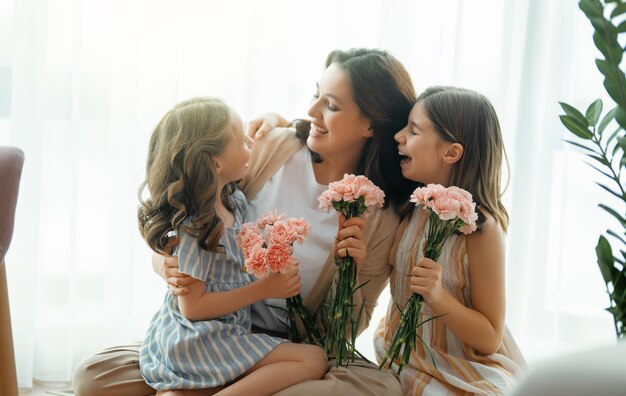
<point>268,156</point>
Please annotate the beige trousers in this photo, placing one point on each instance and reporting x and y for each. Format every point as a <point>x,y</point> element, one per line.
<point>115,372</point>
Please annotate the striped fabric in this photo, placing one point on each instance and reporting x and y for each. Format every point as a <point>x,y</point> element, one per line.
<point>459,368</point>
<point>181,354</point>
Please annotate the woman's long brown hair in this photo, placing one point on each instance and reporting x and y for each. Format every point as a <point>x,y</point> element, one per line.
<point>384,93</point>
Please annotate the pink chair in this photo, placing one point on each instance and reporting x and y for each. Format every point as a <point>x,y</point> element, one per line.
<point>11,162</point>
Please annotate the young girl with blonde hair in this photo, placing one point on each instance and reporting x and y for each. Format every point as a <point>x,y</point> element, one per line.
<point>202,339</point>
<point>453,138</point>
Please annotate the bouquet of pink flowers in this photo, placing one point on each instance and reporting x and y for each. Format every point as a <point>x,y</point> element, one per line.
<point>449,210</point>
<point>267,247</point>
<point>351,197</point>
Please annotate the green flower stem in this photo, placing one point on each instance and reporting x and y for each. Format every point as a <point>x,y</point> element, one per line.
<point>295,310</point>
<point>342,313</point>
<point>341,316</point>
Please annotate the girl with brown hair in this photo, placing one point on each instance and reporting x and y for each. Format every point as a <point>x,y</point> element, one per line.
<point>202,339</point>
<point>453,138</point>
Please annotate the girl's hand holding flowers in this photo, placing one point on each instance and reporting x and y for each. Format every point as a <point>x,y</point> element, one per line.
<point>426,280</point>
<point>267,250</point>
<point>281,285</point>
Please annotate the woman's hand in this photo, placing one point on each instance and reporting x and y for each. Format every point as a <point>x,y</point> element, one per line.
<point>167,268</point>
<point>260,126</point>
<point>426,280</point>
<point>277,285</point>
<point>350,239</point>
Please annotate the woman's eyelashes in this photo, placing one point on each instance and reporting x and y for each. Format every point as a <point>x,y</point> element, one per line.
<point>329,106</point>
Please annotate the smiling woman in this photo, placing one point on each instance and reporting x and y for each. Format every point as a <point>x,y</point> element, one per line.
<point>81,83</point>
<point>347,137</point>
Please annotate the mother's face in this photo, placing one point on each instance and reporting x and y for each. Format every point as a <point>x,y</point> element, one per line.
<point>338,126</point>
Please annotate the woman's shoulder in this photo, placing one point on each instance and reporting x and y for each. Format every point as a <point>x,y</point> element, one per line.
<point>383,220</point>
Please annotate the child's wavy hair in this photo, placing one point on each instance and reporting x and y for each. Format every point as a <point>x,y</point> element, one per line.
<point>467,117</point>
<point>181,177</point>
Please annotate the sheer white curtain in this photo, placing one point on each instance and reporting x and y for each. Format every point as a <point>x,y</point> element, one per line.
<point>82,83</point>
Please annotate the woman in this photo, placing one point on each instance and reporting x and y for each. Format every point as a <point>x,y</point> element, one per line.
<point>363,98</point>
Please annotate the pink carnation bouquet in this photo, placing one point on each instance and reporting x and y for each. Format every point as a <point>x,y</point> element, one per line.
<point>351,197</point>
<point>449,210</point>
<point>267,247</point>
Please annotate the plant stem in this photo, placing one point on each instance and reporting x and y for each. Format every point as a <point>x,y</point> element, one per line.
<point>616,178</point>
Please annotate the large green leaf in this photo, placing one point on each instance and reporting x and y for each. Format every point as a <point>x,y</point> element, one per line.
<point>605,259</point>
<point>620,115</point>
<point>621,28</point>
<point>605,39</point>
<point>575,114</point>
<point>593,112</point>
<point>614,81</point>
<point>608,117</point>
<point>591,8</point>
<point>576,127</point>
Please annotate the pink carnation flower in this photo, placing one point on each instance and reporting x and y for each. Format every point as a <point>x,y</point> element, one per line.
<point>300,227</point>
<point>256,263</point>
<point>267,244</point>
<point>350,189</point>
<point>446,207</point>
<point>279,257</point>
<point>270,218</point>
<point>469,216</point>
<point>248,238</point>
<point>281,233</point>
<point>423,195</point>
<point>448,203</point>
<point>326,200</point>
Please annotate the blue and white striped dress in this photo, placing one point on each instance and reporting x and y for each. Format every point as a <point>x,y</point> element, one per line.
<point>180,354</point>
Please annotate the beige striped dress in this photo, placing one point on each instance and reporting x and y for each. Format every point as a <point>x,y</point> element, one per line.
<point>459,368</point>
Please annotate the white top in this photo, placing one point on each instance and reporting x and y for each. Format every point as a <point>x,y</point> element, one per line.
<point>293,191</point>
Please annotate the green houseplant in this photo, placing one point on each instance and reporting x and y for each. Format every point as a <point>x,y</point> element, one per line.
<point>603,140</point>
